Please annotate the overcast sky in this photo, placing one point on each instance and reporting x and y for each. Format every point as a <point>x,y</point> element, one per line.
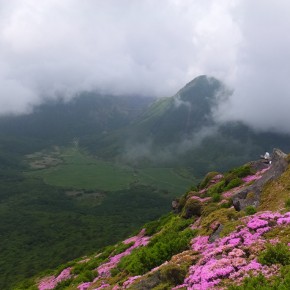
<point>148,47</point>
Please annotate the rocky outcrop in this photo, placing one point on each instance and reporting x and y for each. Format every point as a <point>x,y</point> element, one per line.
<point>251,194</point>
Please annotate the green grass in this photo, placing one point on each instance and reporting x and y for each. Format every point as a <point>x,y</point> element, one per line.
<point>81,171</point>
<point>164,178</point>
<point>100,175</point>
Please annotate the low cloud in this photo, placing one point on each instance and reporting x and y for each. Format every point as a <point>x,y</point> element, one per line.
<point>147,150</point>
<point>51,48</point>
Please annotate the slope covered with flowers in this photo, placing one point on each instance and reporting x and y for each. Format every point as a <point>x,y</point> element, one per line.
<point>234,256</point>
<point>205,243</point>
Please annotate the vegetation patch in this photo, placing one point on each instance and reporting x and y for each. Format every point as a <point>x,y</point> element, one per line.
<point>275,254</point>
<point>191,208</point>
<point>224,216</point>
<point>250,210</point>
<point>171,240</point>
<point>276,193</point>
<point>79,171</point>
<point>260,282</point>
<point>279,233</point>
<point>205,182</point>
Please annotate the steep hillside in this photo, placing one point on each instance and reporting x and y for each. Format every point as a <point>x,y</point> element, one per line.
<point>182,131</point>
<point>171,119</point>
<point>230,232</point>
<point>87,117</point>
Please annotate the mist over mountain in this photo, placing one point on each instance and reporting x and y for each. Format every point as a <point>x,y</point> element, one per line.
<point>60,121</point>
<point>183,130</point>
<point>148,49</point>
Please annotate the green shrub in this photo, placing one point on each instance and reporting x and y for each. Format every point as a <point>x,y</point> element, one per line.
<point>193,188</point>
<point>227,204</point>
<point>173,274</point>
<point>181,203</point>
<point>162,247</point>
<point>121,247</point>
<point>287,203</point>
<point>216,197</point>
<point>192,208</point>
<point>275,254</point>
<point>155,226</point>
<point>217,188</point>
<point>78,268</point>
<point>115,272</point>
<point>90,265</point>
<point>282,282</point>
<point>86,276</point>
<point>207,179</point>
<point>63,284</point>
<point>209,208</point>
<point>253,283</point>
<point>162,286</point>
<point>233,183</point>
<point>243,171</point>
<point>106,252</point>
<point>28,284</point>
<point>250,210</point>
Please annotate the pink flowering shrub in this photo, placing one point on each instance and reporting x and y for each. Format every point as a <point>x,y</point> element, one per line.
<point>129,281</point>
<point>52,281</point>
<point>230,193</point>
<point>256,176</point>
<point>173,239</point>
<point>196,224</point>
<point>84,286</point>
<point>103,286</point>
<point>210,179</point>
<point>234,257</point>
<point>104,270</point>
<point>256,223</point>
<point>200,199</point>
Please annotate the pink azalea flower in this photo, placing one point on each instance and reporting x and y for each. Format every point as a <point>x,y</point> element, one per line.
<point>84,286</point>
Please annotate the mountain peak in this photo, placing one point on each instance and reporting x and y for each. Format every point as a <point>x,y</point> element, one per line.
<point>200,79</point>
<point>201,88</point>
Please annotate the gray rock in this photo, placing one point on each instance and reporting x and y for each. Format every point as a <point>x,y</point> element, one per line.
<point>216,234</point>
<point>149,283</point>
<point>278,165</point>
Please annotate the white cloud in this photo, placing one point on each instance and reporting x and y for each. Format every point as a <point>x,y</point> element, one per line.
<point>261,82</point>
<point>147,47</point>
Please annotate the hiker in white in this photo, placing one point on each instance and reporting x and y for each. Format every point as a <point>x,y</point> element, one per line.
<point>267,156</point>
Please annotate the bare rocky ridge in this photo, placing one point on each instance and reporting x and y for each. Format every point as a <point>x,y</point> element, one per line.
<point>251,194</point>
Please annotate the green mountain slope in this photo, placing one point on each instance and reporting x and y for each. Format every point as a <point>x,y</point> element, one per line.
<point>206,243</point>
<point>169,120</point>
<point>60,122</point>
<point>181,131</point>
<point>129,161</point>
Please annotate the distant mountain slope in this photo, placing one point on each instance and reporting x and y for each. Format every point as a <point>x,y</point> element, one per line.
<point>205,244</point>
<point>177,131</point>
<point>182,131</point>
<point>59,122</point>
<point>169,120</point>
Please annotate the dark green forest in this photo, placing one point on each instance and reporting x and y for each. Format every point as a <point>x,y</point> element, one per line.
<point>41,227</point>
